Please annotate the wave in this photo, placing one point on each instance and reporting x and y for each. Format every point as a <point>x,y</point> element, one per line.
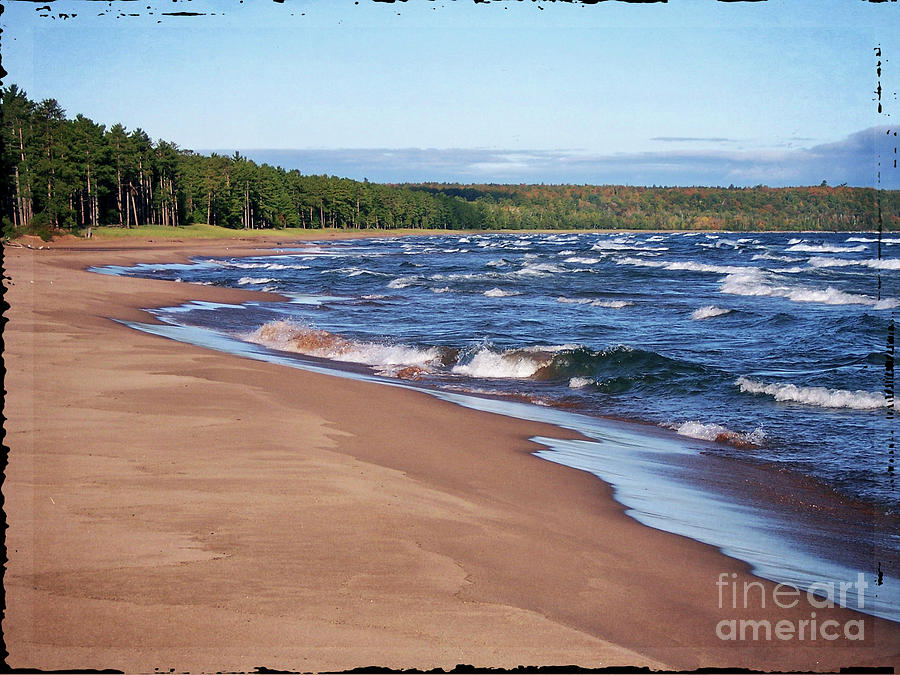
<point>539,270</point>
<point>233,264</point>
<point>579,382</point>
<point>826,248</point>
<point>290,336</point>
<point>689,265</point>
<point>612,370</point>
<point>708,312</point>
<point>403,282</point>
<point>582,260</point>
<point>872,240</point>
<point>243,281</point>
<point>444,289</point>
<point>883,264</point>
<point>718,434</point>
<point>817,396</point>
<point>614,304</point>
<point>625,246</point>
<point>353,272</point>
<point>779,258</point>
<point>500,293</point>
<point>753,282</point>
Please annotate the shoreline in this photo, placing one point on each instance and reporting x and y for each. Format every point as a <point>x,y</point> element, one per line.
<point>433,562</point>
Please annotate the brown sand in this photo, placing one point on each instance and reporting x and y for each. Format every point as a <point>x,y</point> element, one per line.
<point>172,507</point>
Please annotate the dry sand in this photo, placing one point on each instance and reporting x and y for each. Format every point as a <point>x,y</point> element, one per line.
<point>172,507</point>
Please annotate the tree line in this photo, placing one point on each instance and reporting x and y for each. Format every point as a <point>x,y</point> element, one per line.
<point>71,174</point>
<point>821,207</point>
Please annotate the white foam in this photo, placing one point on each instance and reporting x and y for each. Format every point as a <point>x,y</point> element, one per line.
<point>507,365</point>
<point>445,289</point>
<point>708,312</point>
<point>688,265</point>
<point>872,240</point>
<point>539,270</point>
<point>614,304</point>
<point>753,282</point>
<point>716,432</point>
<point>826,248</point>
<point>883,264</point>
<point>403,282</point>
<point>287,335</point>
<point>243,281</point>
<point>582,260</point>
<point>279,266</point>
<point>510,364</point>
<point>500,293</point>
<point>580,382</point>
<point>779,258</point>
<point>624,246</point>
<point>817,396</point>
<point>243,265</point>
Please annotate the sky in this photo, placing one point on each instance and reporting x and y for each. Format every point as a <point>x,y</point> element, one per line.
<point>689,92</point>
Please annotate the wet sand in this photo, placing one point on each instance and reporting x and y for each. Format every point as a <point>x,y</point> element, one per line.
<point>172,507</point>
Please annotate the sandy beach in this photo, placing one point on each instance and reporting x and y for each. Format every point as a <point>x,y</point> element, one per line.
<point>173,507</point>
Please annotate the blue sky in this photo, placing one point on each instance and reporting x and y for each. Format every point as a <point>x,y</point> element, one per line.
<point>687,92</point>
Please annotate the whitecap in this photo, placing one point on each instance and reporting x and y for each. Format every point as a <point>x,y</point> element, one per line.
<point>816,396</point>
<point>708,312</point>
<point>753,282</point>
<point>403,282</point>
<point>243,281</point>
<point>826,248</point>
<point>717,433</point>
<point>500,293</point>
<point>614,304</point>
<point>287,335</point>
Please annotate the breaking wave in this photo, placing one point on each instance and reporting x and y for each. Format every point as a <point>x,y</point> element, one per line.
<point>883,264</point>
<point>500,293</point>
<point>688,265</point>
<point>290,336</point>
<point>826,248</point>
<point>614,304</point>
<point>403,282</point>
<point>243,281</point>
<point>708,312</point>
<point>753,282</point>
<point>718,434</point>
<point>817,396</point>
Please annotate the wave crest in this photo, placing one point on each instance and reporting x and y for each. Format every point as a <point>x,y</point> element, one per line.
<point>708,312</point>
<point>718,434</point>
<point>817,396</point>
<point>289,336</point>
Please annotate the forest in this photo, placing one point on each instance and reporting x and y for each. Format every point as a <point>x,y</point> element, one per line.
<point>71,174</point>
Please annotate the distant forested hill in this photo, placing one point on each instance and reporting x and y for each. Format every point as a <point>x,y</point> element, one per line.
<point>678,208</point>
<point>69,174</point>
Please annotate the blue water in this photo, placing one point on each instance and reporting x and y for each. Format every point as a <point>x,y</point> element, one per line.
<point>761,355</point>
